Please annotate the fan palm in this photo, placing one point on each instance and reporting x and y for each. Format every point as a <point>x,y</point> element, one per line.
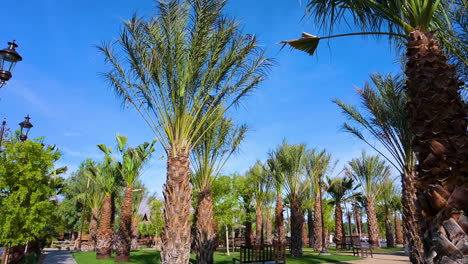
<point>178,69</point>
<point>338,188</point>
<point>209,157</point>
<point>108,178</point>
<point>130,167</point>
<point>317,165</point>
<point>436,111</point>
<point>370,172</point>
<point>291,159</point>
<point>387,123</point>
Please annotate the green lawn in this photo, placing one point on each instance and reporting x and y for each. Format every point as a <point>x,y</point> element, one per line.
<point>333,249</point>
<point>152,256</point>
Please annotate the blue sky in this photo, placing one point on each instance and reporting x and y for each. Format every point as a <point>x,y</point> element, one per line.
<point>59,85</point>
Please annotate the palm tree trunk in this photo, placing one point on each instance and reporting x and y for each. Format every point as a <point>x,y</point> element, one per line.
<point>204,239</point>
<point>398,232</point>
<point>410,223</point>
<point>93,227</point>
<point>305,234</point>
<point>105,231</point>
<point>318,242</point>
<point>297,221</point>
<point>280,234</point>
<point>339,227</point>
<point>258,225</point>
<point>135,232</point>
<point>389,230</point>
<point>123,242</point>
<point>438,120</point>
<point>372,223</point>
<point>248,228</point>
<point>310,226</point>
<point>177,203</point>
<point>268,230</point>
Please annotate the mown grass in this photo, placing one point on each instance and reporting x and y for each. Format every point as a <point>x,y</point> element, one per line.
<point>152,256</point>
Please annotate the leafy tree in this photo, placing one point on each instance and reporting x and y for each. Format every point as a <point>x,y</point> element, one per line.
<point>29,184</point>
<point>435,108</point>
<point>178,69</point>
<point>244,190</point>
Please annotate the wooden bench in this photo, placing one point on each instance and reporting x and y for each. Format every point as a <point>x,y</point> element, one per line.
<point>266,254</point>
<point>360,247</point>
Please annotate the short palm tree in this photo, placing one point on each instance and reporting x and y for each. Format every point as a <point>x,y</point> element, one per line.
<point>130,168</point>
<point>257,176</point>
<point>436,111</point>
<point>387,201</point>
<point>370,172</point>
<point>316,166</point>
<point>339,188</point>
<point>139,194</point>
<point>291,159</point>
<point>384,118</point>
<point>109,179</point>
<point>94,199</point>
<point>276,175</point>
<point>178,69</point>
<point>209,157</point>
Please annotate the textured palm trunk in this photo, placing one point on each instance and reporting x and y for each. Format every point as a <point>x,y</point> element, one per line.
<point>310,226</point>
<point>135,232</point>
<point>318,242</point>
<point>93,228</point>
<point>258,225</point>
<point>305,234</point>
<point>389,230</point>
<point>177,203</point>
<point>438,120</point>
<point>297,222</point>
<point>268,230</point>
<point>357,220</point>
<point>248,228</point>
<point>339,227</point>
<point>372,224</point>
<point>205,236</point>
<point>280,234</point>
<point>123,242</point>
<point>106,230</point>
<point>410,223</point>
<point>398,232</point>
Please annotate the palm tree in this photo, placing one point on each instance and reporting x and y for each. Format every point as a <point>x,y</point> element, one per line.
<point>109,179</point>
<point>370,172</point>
<point>257,177</point>
<point>316,166</point>
<point>178,70</point>
<point>388,124</point>
<point>130,167</point>
<point>338,188</point>
<point>209,157</point>
<point>139,194</point>
<point>291,159</point>
<point>94,200</point>
<point>387,202</point>
<point>435,108</point>
<point>277,176</point>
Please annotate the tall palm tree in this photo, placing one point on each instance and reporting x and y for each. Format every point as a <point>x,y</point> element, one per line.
<point>370,172</point>
<point>291,159</point>
<point>317,165</point>
<point>259,182</point>
<point>178,69</point>
<point>436,111</point>
<point>387,123</point>
<point>276,174</point>
<point>209,157</point>
<point>109,179</point>
<point>338,188</point>
<point>130,167</point>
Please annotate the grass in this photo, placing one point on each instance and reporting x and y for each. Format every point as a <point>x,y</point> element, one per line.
<point>152,256</point>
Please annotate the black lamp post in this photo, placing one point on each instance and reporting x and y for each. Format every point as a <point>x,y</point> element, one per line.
<point>25,127</point>
<point>8,59</point>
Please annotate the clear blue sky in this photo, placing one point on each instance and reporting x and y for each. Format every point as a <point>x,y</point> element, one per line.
<point>58,81</point>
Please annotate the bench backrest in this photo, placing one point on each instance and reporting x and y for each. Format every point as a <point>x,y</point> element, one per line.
<point>262,253</point>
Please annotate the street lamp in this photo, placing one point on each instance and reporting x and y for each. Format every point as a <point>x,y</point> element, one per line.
<point>25,127</point>
<point>8,59</point>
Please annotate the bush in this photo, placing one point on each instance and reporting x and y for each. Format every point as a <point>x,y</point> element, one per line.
<point>31,258</point>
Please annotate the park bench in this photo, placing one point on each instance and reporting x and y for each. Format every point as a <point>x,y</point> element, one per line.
<point>360,248</point>
<point>266,254</point>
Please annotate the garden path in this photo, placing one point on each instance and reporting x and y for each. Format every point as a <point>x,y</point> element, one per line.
<point>383,258</point>
<point>59,257</point>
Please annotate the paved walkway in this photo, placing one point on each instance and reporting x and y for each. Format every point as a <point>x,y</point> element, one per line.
<point>59,257</point>
<point>384,258</point>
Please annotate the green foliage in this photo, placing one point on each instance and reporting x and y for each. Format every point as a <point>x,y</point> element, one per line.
<point>328,215</point>
<point>156,222</point>
<point>228,209</point>
<point>28,185</point>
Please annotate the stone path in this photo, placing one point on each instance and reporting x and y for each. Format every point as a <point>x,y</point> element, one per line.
<point>383,258</point>
<point>59,257</point>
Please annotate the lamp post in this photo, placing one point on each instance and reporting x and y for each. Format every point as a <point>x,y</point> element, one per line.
<point>25,127</point>
<point>8,59</point>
